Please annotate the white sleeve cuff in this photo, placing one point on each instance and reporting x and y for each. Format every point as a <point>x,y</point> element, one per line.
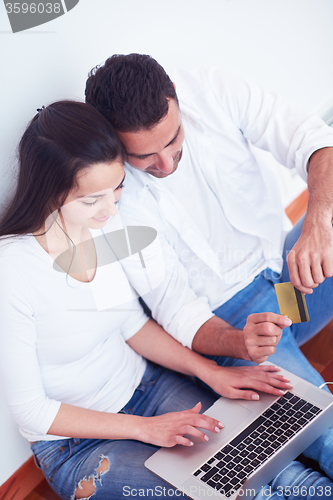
<point>185,324</point>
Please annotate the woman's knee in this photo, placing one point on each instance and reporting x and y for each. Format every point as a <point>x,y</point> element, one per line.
<point>87,486</point>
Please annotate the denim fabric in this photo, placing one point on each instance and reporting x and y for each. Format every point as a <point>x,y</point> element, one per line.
<point>65,463</point>
<point>296,482</point>
<point>260,296</point>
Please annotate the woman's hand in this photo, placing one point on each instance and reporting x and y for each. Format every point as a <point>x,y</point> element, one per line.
<point>241,382</point>
<point>168,430</point>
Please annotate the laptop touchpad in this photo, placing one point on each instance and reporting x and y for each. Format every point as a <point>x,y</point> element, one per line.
<point>231,414</point>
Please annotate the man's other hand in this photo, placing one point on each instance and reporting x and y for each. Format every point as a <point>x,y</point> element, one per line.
<point>310,260</point>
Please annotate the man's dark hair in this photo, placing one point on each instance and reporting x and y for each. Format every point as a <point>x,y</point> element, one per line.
<point>131,91</point>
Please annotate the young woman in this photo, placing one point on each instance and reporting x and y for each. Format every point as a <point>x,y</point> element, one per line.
<point>85,383</point>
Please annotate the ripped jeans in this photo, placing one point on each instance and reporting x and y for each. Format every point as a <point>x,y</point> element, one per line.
<point>115,468</point>
<point>68,462</point>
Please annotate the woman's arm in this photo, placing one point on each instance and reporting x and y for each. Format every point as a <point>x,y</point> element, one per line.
<point>164,430</point>
<point>37,414</point>
<point>156,345</point>
<point>152,342</point>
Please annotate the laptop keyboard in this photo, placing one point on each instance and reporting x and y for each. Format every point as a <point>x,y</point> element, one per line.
<point>228,469</point>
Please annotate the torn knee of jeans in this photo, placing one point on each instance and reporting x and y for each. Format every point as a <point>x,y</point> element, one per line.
<point>87,486</point>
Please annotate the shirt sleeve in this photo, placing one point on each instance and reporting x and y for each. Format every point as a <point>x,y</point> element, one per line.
<point>157,274</point>
<point>266,119</point>
<point>136,320</point>
<point>273,124</point>
<point>19,369</point>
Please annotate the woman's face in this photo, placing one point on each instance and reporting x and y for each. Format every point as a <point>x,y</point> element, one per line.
<point>93,200</point>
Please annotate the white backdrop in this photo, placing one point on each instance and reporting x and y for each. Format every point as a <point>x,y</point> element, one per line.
<point>284,44</point>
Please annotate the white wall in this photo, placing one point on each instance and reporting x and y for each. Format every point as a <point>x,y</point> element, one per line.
<point>285,44</point>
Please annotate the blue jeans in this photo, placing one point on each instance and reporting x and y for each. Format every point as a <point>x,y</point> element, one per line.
<point>67,462</point>
<point>260,296</point>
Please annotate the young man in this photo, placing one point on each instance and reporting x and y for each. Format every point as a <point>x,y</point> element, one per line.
<point>219,211</point>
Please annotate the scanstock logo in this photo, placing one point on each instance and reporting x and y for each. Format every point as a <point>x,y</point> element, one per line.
<point>28,14</point>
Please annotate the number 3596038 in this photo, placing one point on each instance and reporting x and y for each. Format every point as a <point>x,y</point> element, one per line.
<point>33,8</point>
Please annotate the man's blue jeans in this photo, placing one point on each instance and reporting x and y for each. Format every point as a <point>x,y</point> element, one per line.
<point>260,296</point>
<point>67,462</point>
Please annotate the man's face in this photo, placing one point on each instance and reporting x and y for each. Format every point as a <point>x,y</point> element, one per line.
<point>159,149</point>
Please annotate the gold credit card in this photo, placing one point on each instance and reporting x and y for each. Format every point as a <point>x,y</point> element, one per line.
<point>291,302</point>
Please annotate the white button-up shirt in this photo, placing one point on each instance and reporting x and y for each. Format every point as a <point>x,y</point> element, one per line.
<point>220,215</point>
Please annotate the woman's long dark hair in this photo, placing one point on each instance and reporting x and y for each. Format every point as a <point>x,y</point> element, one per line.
<point>62,138</point>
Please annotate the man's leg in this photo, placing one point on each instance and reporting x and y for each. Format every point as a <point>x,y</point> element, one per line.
<point>320,309</point>
<point>260,296</point>
<point>295,482</point>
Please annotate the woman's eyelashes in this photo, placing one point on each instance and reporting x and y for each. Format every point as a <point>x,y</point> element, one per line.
<point>120,185</point>
<point>90,204</point>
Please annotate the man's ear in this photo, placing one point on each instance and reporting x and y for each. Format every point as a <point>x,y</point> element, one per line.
<point>173,83</point>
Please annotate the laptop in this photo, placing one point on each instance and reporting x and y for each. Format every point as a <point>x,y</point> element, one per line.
<point>259,439</point>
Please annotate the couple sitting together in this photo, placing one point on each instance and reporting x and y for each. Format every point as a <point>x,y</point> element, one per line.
<point>94,384</point>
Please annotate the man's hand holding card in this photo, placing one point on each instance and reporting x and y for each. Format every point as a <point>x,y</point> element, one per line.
<point>263,331</point>
<point>262,334</point>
